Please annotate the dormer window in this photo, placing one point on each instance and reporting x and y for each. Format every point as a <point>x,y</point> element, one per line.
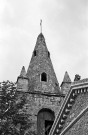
<point>48,54</point>
<point>34,52</point>
<point>44,77</point>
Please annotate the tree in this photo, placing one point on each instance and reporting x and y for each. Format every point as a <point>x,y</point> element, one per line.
<point>11,122</point>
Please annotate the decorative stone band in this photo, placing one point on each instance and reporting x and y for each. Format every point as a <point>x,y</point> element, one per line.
<point>67,104</point>
<point>44,93</point>
<point>74,121</point>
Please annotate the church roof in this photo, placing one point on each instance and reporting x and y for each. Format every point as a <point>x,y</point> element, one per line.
<point>40,41</point>
<point>41,63</point>
<point>80,86</point>
<point>40,37</point>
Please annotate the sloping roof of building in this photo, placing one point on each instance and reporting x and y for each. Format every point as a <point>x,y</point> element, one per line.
<point>76,88</point>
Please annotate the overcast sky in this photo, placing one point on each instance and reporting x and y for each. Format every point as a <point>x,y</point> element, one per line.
<point>65,28</point>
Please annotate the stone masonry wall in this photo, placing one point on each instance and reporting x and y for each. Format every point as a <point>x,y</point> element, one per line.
<point>22,84</point>
<point>65,88</point>
<point>80,127</point>
<point>81,102</point>
<point>36,102</point>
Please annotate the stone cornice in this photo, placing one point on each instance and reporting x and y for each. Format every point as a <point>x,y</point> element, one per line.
<point>43,93</point>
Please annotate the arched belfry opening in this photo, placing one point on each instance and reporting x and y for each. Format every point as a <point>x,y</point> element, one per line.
<point>45,119</point>
<point>44,77</point>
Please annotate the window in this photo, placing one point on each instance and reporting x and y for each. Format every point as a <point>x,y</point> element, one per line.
<point>48,54</point>
<point>44,77</point>
<point>34,52</point>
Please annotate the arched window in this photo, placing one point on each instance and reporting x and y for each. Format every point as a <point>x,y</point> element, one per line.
<point>34,52</point>
<point>44,77</point>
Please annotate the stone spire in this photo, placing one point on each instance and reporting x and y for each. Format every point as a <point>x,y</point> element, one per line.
<point>66,78</point>
<point>23,72</point>
<point>22,81</point>
<point>65,85</point>
<point>40,71</point>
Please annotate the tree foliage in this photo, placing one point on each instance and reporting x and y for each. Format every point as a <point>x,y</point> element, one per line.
<point>11,122</point>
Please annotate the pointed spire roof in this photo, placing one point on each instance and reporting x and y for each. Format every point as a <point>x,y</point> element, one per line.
<point>41,63</point>
<point>40,36</point>
<point>40,39</point>
<point>66,78</point>
<point>23,72</point>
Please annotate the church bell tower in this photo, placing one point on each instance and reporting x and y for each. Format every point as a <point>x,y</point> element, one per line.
<point>41,90</point>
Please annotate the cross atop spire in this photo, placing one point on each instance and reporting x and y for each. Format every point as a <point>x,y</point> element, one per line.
<point>41,26</point>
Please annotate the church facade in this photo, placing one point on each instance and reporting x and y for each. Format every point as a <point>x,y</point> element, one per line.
<point>40,87</point>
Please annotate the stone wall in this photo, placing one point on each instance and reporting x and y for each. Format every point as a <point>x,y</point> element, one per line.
<point>80,127</point>
<point>22,84</point>
<point>65,88</point>
<point>80,103</point>
<point>36,102</point>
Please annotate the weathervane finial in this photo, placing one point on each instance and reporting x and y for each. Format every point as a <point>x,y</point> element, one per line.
<point>41,26</point>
